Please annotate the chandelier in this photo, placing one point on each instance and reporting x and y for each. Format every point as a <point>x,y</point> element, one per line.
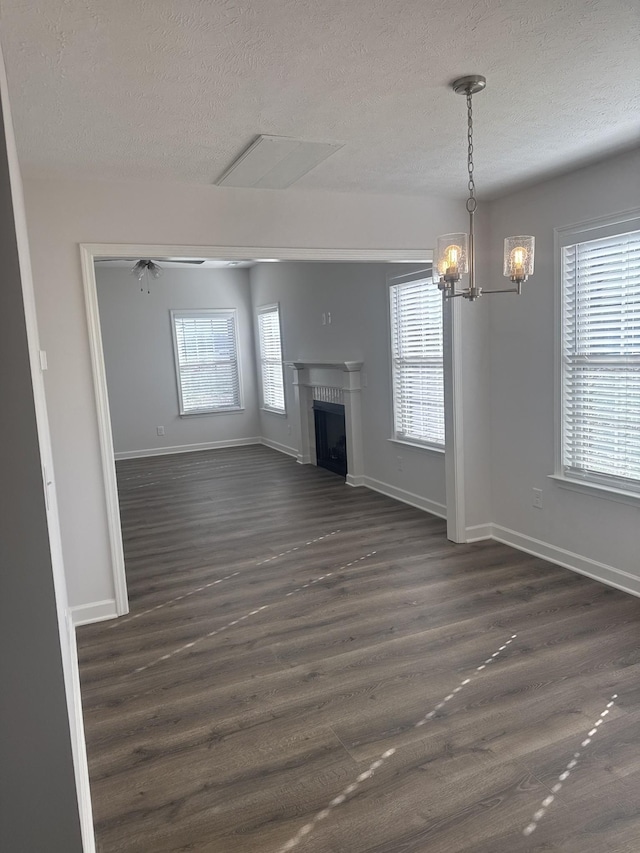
<point>455,254</point>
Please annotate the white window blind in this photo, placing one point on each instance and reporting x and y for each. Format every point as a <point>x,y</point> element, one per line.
<point>418,379</point>
<point>206,361</point>
<point>271,358</point>
<point>601,360</point>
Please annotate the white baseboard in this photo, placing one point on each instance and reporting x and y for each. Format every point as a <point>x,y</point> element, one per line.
<point>402,495</point>
<point>354,480</point>
<point>281,448</point>
<point>186,448</point>
<point>568,559</point>
<point>478,532</point>
<point>97,611</point>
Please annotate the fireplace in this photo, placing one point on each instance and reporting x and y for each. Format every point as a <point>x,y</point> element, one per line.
<point>329,390</point>
<point>331,436</point>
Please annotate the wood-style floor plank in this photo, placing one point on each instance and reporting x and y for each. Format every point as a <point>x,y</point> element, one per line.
<point>287,634</point>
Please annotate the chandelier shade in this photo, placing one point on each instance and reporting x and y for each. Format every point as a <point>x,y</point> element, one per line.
<point>453,255</point>
<point>519,257</point>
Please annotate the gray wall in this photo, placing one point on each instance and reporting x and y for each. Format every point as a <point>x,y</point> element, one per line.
<point>139,358</point>
<point>522,373</point>
<point>38,800</point>
<point>356,294</point>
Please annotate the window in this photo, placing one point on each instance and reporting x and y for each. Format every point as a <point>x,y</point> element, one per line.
<point>271,358</point>
<point>206,361</point>
<point>416,349</point>
<point>601,357</point>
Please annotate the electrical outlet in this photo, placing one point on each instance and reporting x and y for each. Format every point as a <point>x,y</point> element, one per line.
<point>537,498</point>
<point>400,461</point>
<point>289,429</point>
<point>324,319</point>
<point>160,430</point>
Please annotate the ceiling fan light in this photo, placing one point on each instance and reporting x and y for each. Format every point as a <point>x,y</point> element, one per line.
<point>155,270</point>
<point>139,269</point>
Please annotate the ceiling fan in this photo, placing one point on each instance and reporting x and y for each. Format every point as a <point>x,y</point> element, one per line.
<point>149,266</point>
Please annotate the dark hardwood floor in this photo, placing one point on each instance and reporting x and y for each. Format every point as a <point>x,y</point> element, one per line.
<point>304,668</point>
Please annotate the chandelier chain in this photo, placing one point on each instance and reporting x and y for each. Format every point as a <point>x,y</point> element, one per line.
<point>471,201</point>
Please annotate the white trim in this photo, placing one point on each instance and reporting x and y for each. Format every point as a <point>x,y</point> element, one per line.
<point>479,532</point>
<point>243,253</point>
<point>104,429</point>
<point>596,490</point>
<point>435,448</point>
<point>80,754</point>
<point>97,611</point>
<point>281,448</point>
<point>593,229</point>
<point>89,251</point>
<point>453,413</point>
<point>187,448</point>
<point>602,572</point>
<point>354,480</point>
<point>402,495</point>
<point>205,413</point>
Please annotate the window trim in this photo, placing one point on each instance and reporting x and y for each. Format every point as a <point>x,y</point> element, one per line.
<point>203,312</point>
<point>266,309</point>
<point>594,229</point>
<point>418,444</point>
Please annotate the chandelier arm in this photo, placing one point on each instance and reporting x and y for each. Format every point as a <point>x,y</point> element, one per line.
<point>516,289</point>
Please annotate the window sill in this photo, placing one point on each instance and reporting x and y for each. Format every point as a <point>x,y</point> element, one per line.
<point>597,490</point>
<point>279,412</point>
<point>431,447</point>
<point>212,412</point>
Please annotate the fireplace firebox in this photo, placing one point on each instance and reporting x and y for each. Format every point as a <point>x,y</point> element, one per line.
<point>331,438</point>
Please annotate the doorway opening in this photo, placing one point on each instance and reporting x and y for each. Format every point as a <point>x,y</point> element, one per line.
<point>451,505</point>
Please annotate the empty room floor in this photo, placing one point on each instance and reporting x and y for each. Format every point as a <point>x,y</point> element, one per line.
<point>312,667</point>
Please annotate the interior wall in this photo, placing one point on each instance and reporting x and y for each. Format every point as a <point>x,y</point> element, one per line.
<point>603,532</point>
<point>62,214</point>
<point>357,298</point>
<point>139,357</point>
<point>38,791</point>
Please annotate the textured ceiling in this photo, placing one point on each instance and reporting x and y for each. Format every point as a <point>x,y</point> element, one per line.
<point>176,89</point>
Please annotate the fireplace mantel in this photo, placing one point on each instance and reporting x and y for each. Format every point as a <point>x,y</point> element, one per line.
<point>344,376</point>
<point>347,366</point>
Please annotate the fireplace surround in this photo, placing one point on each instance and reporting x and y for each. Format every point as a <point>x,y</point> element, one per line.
<point>338,383</point>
